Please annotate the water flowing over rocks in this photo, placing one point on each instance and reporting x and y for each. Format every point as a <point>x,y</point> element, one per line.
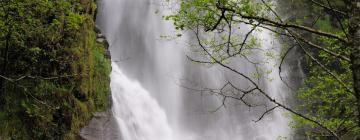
<point>149,100</point>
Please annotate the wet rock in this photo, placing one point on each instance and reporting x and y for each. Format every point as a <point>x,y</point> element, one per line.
<point>103,126</point>
<point>101,38</point>
<point>97,29</point>
<point>108,54</point>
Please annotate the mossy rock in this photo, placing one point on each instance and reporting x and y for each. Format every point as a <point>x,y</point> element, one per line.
<point>65,73</point>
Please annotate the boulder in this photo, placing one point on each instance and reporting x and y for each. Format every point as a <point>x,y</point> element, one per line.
<point>102,126</point>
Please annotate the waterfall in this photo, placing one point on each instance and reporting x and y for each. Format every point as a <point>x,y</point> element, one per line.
<point>138,115</point>
<point>150,73</point>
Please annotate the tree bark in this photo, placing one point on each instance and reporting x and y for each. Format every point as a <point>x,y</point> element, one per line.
<point>354,43</point>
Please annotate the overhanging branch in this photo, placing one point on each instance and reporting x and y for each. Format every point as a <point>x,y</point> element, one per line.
<point>262,92</point>
<point>276,24</point>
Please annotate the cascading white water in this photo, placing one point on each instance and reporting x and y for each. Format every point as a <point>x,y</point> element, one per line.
<point>148,74</point>
<point>139,115</point>
<point>274,87</point>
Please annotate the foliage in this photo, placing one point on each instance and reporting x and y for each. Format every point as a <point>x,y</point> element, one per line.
<point>202,17</point>
<point>54,73</point>
<point>322,96</point>
<point>204,13</point>
<point>326,105</point>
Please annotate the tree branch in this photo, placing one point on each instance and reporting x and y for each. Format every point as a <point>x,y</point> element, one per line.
<point>260,90</point>
<point>14,82</point>
<point>296,35</point>
<point>266,112</point>
<point>276,24</point>
<point>327,70</point>
<point>218,21</point>
<point>329,8</point>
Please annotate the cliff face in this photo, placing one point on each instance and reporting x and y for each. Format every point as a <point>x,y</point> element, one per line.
<point>53,73</point>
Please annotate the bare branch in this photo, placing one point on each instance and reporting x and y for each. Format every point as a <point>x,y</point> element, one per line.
<point>329,8</point>
<point>198,61</point>
<point>281,63</point>
<point>266,112</point>
<point>338,19</point>
<point>14,82</point>
<point>246,37</point>
<point>229,35</point>
<point>44,78</point>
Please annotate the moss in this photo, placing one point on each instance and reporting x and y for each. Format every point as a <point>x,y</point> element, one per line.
<point>55,107</point>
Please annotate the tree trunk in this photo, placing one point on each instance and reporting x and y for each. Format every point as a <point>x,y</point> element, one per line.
<point>354,32</point>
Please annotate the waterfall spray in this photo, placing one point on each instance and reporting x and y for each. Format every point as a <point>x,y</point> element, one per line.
<point>139,116</point>
<point>148,101</point>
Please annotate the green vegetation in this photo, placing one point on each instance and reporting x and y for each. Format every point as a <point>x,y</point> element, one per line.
<point>326,94</point>
<point>53,73</point>
<point>325,32</point>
